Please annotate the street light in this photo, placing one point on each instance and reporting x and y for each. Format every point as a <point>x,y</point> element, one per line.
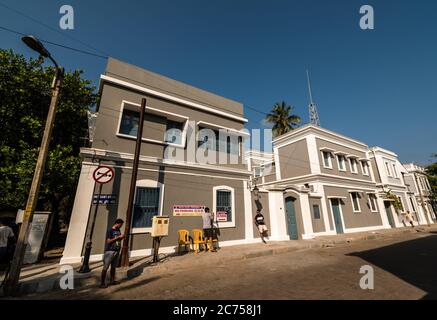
<point>12,282</point>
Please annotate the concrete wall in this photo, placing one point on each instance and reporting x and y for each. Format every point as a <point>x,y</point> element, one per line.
<point>294,160</point>
<point>335,171</point>
<point>139,76</point>
<point>264,200</point>
<point>107,123</point>
<point>365,218</point>
<point>179,189</point>
<point>318,224</point>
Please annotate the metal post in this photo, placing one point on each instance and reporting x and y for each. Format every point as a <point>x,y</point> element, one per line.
<point>125,248</point>
<point>86,258</point>
<point>12,283</point>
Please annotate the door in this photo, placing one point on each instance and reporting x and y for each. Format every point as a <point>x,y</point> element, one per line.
<point>389,213</point>
<point>335,204</point>
<point>291,218</point>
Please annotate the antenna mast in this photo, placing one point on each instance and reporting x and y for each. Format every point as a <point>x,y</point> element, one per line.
<point>314,116</point>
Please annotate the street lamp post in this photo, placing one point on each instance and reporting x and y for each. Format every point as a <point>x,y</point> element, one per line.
<point>12,282</point>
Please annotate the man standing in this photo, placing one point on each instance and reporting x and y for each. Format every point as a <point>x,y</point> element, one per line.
<point>112,252</point>
<point>260,223</point>
<point>208,232</point>
<point>6,234</point>
<point>409,218</point>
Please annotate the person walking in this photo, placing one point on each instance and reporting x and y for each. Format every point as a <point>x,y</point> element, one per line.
<point>6,235</point>
<point>409,218</point>
<point>260,223</point>
<point>208,232</point>
<point>112,252</point>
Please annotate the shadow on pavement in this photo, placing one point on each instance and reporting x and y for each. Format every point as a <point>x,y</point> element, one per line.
<point>414,261</point>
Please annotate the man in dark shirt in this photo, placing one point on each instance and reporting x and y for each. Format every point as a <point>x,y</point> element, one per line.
<point>112,252</point>
<point>260,223</point>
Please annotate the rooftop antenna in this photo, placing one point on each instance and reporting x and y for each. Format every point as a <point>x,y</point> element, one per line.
<point>314,116</point>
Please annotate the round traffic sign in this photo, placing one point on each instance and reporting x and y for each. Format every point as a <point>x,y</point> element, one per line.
<point>103,174</point>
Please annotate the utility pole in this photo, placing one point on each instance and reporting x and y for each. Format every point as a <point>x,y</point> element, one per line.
<point>12,282</point>
<point>125,248</point>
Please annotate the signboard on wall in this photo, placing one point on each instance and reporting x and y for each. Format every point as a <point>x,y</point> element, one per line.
<point>188,210</point>
<point>105,199</point>
<point>222,216</point>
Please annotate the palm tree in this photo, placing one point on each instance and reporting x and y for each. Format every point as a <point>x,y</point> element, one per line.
<point>282,118</point>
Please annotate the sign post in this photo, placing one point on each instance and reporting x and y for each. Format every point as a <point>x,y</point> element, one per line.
<point>102,175</point>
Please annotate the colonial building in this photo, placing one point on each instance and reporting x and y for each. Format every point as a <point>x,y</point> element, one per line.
<point>170,172</point>
<point>390,176</point>
<point>317,182</point>
<point>418,184</point>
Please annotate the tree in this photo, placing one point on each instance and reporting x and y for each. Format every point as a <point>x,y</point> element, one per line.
<point>431,172</point>
<point>282,118</point>
<point>25,90</point>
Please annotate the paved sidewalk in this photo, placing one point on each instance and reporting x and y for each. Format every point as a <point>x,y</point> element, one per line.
<point>45,277</point>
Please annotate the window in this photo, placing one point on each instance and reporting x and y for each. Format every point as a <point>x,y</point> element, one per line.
<point>258,171</point>
<point>395,172</point>
<point>231,144</point>
<point>412,204</point>
<point>129,122</point>
<point>387,169</point>
<point>355,201</point>
<point>401,204</point>
<point>372,202</point>
<point>146,206</point>
<point>365,167</point>
<point>353,163</point>
<point>173,133</point>
<point>327,159</point>
<point>316,211</point>
<point>224,205</point>
<point>341,163</point>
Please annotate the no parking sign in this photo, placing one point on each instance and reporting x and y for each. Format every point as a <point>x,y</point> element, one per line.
<point>103,174</point>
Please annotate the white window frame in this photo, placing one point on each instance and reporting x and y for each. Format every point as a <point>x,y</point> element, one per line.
<point>229,224</point>
<point>366,171</point>
<point>344,162</point>
<point>148,183</point>
<point>413,206</point>
<point>395,172</point>
<point>330,159</point>
<point>373,196</point>
<point>261,171</point>
<point>320,211</point>
<point>352,202</point>
<point>387,169</point>
<point>352,167</point>
<point>168,115</point>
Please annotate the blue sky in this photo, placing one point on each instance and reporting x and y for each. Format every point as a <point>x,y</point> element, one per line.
<point>378,86</point>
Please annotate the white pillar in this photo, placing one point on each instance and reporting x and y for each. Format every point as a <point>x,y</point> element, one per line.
<point>79,217</point>
<point>306,216</point>
<point>277,216</point>
<point>325,210</point>
<point>248,220</point>
<point>383,213</point>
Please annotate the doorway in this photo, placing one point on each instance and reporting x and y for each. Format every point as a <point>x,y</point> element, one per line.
<point>291,218</point>
<point>389,213</point>
<point>336,212</point>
